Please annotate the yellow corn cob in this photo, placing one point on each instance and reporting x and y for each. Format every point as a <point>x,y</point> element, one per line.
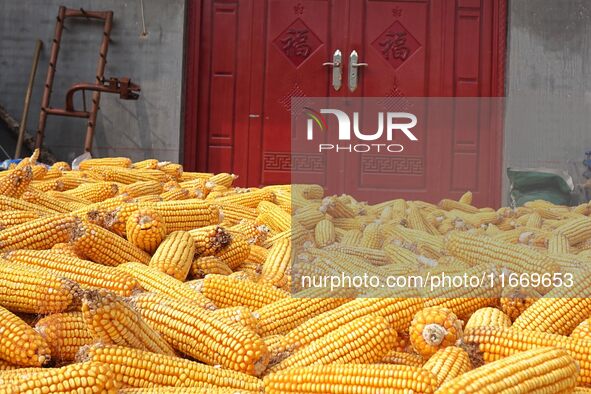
<point>44,200</point>
<point>251,269</point>
<point>466,198</point>
<point>110,320</point>
<point>239,315</point>
<point>66,182</point>
<point>40,233</point>
<point>107,161</point>
<point>235,213</point>
<point>175,254</point>
<point>65,333</point>
<point>105,247</point>
<point>448,363</point>
<point>141,188</point>
<point>6,366</point>
<point>491,252</point>
<point>495,343</point>
<point>516,300</point>
<point>155,281</point>
<point>364,340</point>
<point>273,216</point>
<point>38,171</point>
<point>254,234</point>
<point>21,344</point>
<point>434,328</point>
<point>324,233</point>
<point>104,207</point>
<point>248,198</point>
<point>372,237</point>
<point>86,273</point>
<point>558,243</point>
<point>183,390</point>
<point>205,265</point>
<point>576,230</point>
<point>52,173</point>
<point>13,204</point>
<point>582,331</point>
<point>559,311</point>
<point>67,249</point>
<point>225,292</point>
<point>351,378</point>
<point>276,269</point>
<point>172,169</point>
<point>396,356</point>
<point>137,368</point>
<point>210,240</point>
<point>71,379</point>
<point>187,214</point>
<point>337,208</point>
<point>554,369</point>
<point>95,192</point>
<point>488,317</point>
<point>297,234</point>
<point>15,183</point>
<point>197,332</point>
<point>400,256</point>
<point>309,215</point>
<point>258,254</point>
<point>148,163</point>
<point>75,202</point>
<point>448,205</point>
<point>235,252</point>
<point>398,311</point>
<point>534,220</point>
<point>33,290</point>
<point>283,315</point>
<point>223,179</point>
<point>62,166</point>
<point>351,238</point>
<point>12,218</point>
<point>117,216</point>
<point>145,229</point>
<point>176,194</point>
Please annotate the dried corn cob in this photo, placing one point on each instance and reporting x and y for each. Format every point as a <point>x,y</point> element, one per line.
<point>337,207</point>
<point>33,290</point>
<point>235,252</point>
<point>324,233</point>
<point>74,378</point>
<point>176,194</point>
<point>576,230</point>
<point>254,234</point>
<point>396,356</point>
<point>516,300</point>
<point>141,188</point>
<point>234,213</point>
<point>95,192</point>
<point>137,368</point>
<point>258,254</point>
<point>197,332</point>
<point>108,161</point>
<point>65,333</point>
<point>40,233</point>
<point>448,363</point>
<point>172,169</point>
<point>110,320</point>
<point>433,329</point>
<point>248,198</point>
<point>554,369</point>
<point>148,163</point>
<point>187,214</point>
<point>364,340</point>
<point>21,344</point>
<point>175,254</point>
<point>223,179</point>
<point>495,343</point>
<point>145,229</point>
<point>276,269</point>
<point>239,315</point>
<point>105,247</point>
<point>210,240</point>
<point>12,218</point>
<point>225,292</point>
<point>582,331</point>
<point>351,378</point>
<point>398,312</point>
<point>16,182</point>
<point>488,317</point>
<point>184,390</point>
<point>86,273</point>
<point>155,281</point>
<point>205,265</point>
<point>42,199</point>
<point>448,205</point>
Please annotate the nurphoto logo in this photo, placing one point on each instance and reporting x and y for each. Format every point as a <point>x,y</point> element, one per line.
<point>395,122</point>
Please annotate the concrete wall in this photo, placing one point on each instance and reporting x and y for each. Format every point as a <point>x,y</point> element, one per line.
<point>548,121</point>
<point>149,127</point>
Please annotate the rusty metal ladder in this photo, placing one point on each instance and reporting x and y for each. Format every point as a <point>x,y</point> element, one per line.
<point>121,86</point>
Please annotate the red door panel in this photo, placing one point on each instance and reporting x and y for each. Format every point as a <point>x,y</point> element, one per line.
<point>254,56</point>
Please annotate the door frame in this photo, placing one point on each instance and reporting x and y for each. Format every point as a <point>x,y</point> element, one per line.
<point>194,141</point>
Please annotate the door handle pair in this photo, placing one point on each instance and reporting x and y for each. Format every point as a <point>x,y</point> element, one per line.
<point>337,69</point>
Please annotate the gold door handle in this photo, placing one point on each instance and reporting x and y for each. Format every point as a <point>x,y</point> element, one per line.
<point>353,72</point>
<point>337,72</point>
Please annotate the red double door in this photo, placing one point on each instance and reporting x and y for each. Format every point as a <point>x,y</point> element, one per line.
<point>248,58</point>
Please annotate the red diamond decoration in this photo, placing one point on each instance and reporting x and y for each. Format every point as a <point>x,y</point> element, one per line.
<point>396,44</point>
<point>297,42</point>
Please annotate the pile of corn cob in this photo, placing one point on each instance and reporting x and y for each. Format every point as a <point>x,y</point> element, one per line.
<point>144,278</point>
